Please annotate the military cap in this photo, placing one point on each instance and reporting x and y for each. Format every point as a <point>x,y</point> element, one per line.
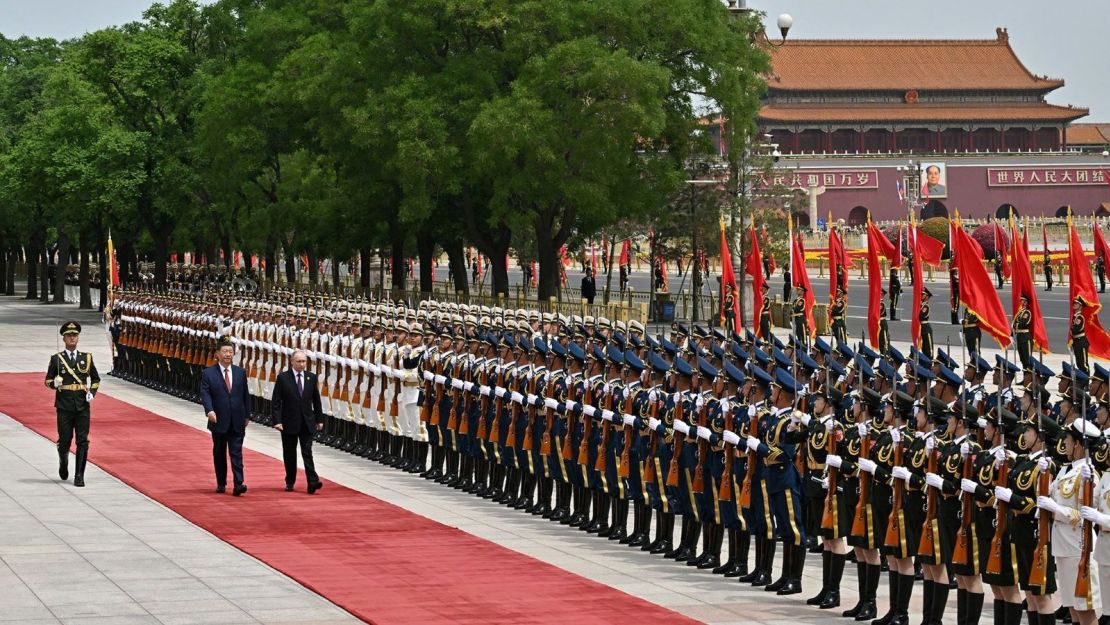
<point>901,400</point>
<point>1066,371</point>
<point>491,339</point>
<point>760,357</point>
<point>887,371</point>
<point>603,323</point>
<point>749,337</point>
<point>539,345</point>
<point>700,332</point>
<point>926,292</point>
<point>635,341</point>
<point>845,351</point>
<point>869,396</point>
<point>794,343</point>
<point>837,369</point>
<point>733,373</point>
<point>615,355</point>
<point>978,363</point>
<point>618,339</point>
<point>949,376</point>
<point>820,345</point>
<point>921,374</point>
<point>70,327</point>
<point>776,342</point>
<point>937,409</point>
<point>632,361</point>
<point>681,330</point>
<point>668,346</point>
<point>575,352</point>
<point>620,326</point>
<point>1080,377</point>
<point>895,356</point>
<point>557,350</point>
<point>719,334</point>
<point>683,368</point>
<point>1042,370</point>
<point>597,354</point>
<point>944,359</point>
<point>868,353</point>
<point>1006,365</point>
<point>651,342</point>
<point>705,369</point>
<point>658,364</point>
<point>508,341</point>
<point>786,382</point>
<point>964,410</point>
<point>717,351</point>
<point>781,359</point>
<point>1084,431</point>
<point>739,353</point>
<point>923,360</point>
<point>1049,427</point>
<point>864,369</point>
<point>760,376</point>
<point>1101,373</point>
<point>806,361</point>
<point>635,326</point>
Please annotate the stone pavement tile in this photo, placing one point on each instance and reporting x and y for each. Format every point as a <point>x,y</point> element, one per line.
<point>223,617</point>
<point>111,620</point>
<point>168,608</point>
<point>24,613</point>
<point>295,615</point>
<point>90,607</point>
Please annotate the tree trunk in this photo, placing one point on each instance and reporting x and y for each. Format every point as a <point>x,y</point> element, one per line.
<point>60,268</point>
<point>609,271</point>
<point>397,263</point>
<point>290,264</point>
<point>547,256</point>
<point>83,276</point>
<point>161,240</point>
<point>44,276</point>
<point>313,269</point>
<point>364,256</point>
<point>9,277</point>
<point>225,243</point>
<point>425,249</point>
<point>102,260</point>
<point>335,274</point>
<point>271,265</point>
<point>457,260</point>
<point>33,270</point>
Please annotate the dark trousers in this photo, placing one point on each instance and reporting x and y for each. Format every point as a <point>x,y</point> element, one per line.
<point>72,422</point>
<point>228,444</point>
<point>289,455</point>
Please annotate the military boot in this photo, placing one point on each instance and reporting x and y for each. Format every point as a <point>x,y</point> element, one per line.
<point>79,469</point>
<point>63,464</point>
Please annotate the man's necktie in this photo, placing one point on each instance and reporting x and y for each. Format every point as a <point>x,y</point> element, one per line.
<point>227,379</point>
<point>300,384</point>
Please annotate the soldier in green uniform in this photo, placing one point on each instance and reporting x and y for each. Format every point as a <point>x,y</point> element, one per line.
<point>1023,336</point>
<point>837,311</point>
<point>72,375</point>
<point>973,334</point>
<point>926,328</point>
<point>1079,343</point>
<point>798,313</point>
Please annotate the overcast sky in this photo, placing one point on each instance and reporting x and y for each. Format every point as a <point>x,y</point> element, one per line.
<point>1059,39</point>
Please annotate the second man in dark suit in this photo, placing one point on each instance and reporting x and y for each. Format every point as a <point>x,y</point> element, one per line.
<point>226,401</point>
<point>298,414</point>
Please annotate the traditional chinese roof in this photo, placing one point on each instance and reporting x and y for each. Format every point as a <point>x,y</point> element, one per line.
<point>903,65</point>
<point>924,113</point>
<point>1088,134</point>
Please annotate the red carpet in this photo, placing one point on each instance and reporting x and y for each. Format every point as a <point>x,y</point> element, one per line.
<point>376,560</point>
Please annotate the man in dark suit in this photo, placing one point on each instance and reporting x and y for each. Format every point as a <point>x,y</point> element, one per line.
<point>589,287</point>
<point>226,401</point>
<point>298,414</point>
<point>74,378</point>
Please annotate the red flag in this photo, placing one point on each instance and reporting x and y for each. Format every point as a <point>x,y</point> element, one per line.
<point>1000,248</point>
<point>800,278</point>
<point>877,243</point>
<point>237,257</point>
<point>728,280</point>
<point>593,257</point>
<point>896,262</point>
<point>838,261</point>
<point>976,288</point>
<point>1101,249</point>
<point>926,249</point>
<point>1023,284</point>
<point>113,263</point>
<point>626,250</point>
<point>753,266</point>
<point>1082,286</point>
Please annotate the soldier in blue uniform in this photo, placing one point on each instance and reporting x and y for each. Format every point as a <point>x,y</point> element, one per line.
<point>611,443</point>
<point>593,397</point>
<point>638,400</point>
<point>733,418</point>
<point>555,393</point>
<point>511,359</point>
<point>579,479</point>
<point>659,456</point>
<point>73,376</point>
<point>824,430</point>
<point>709,464</point>
<point>761,523</point>
<point>776,445</point>
<point>537,411</point>
<point>684,463</point>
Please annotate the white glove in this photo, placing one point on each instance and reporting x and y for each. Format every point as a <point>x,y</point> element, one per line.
<point>680,426</point>
<point>868,466</point>
<point>862,429</point>
<point>484,390</point>
<point>1046,503</point>
<point>801,417</point>
<point>468,387</point>
<point>653,396</point>
<point>731,438</point>
<point>999,455</point>
<point>753,443</point>
<point>834,461</point>
<point>895,435</point>
<point>934,480</point>
<point>628,419</point>
<point>968,486</point>
<point>549,402</point>
<point>1088,513</point>
<point>531,399</point>
<point>699,402</point>
<point>439,378</point>
<point>456,384</point>
<point>88,396</point>
<point>930,443</point>
<point>725,405</point>
<point>653,423</point>
<point>517,397</point>
<point>1042,464</point>
<point>500,392</point>
<point>58,381</point>
<point>981,422</point>
<point>1002,493</point>
<point>703,432</point>
<point>589,411</point>
<point>824,483</point>
<point>751,411</point>
<point>607,415</point>
<point>901,473</point>
<point>1085,470</point>
<point>965,449</point>
<point>570,404</point>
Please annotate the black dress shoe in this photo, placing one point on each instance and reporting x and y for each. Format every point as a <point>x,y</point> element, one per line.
<point>832,600</point>
<point>712,562</point>
<point>288,488</point>
<point>866,612</point>
<point>661,548</point>
<point>314,486</point>
<point>748,576</point>
<point>736,570</point>
<point>819,598</point>
<point>762,578</point>
<point>221,489</point>
<point>239,489</point>
<point>776,585</point>
<point>791,587</point>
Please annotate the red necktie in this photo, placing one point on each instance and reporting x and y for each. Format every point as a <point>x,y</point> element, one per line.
<point>227,380</point>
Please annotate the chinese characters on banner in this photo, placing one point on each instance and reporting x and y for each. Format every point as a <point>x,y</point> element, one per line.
<point>830,179</point>
<point>1045,176</point>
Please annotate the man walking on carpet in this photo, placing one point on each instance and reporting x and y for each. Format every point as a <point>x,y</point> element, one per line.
<point>298,414</point>
<point>73,377</point>
<point>226,401</point>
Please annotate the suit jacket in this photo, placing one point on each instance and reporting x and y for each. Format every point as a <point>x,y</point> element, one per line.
<point>231,408</point>
<point>295,410</point>
<point>70,395</point>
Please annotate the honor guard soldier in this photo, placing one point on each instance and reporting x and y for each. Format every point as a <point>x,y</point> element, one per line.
<point>733,415</point>
<point>923,318</point>
<point>1047,264</point>
<point>895,293</point>
<point>1023,332</point>
<point>1079,343</point>
<point>884,327</point>
<point>837,312</point>
<point>954,292</point>
<point>765,314</point>
<point>973,334</point>
<point>826,508</point>
<point>73,376</point>
<point>798,314</point>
